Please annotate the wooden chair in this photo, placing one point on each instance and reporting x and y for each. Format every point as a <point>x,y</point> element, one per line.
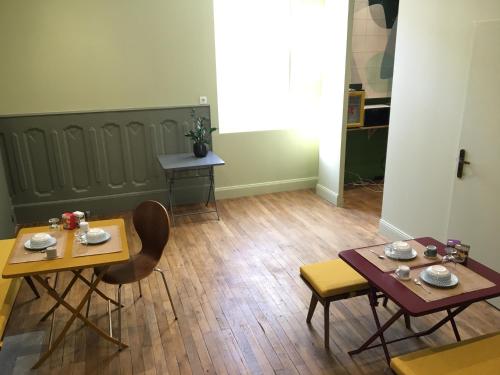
<point>331,281</point>
<point>153,227</point>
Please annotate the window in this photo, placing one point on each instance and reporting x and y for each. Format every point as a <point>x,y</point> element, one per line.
<point>267,56</point>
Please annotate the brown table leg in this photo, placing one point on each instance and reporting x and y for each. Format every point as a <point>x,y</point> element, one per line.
<point>380,329</point>
<point>89,284</point>
<point>76,314</point>
<point>32,286</point>
<point>453,325</point>
<point>435,327</point>
<point>63,295</point>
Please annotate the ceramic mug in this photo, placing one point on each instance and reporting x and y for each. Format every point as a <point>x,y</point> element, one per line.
<point>430,251</point>
<point>403,272</point>
<point>51,252</point>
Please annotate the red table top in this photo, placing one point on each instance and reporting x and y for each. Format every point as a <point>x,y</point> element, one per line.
<point>409,301</point>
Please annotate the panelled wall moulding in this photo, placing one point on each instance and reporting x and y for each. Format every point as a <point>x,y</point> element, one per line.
<point>82,160</point>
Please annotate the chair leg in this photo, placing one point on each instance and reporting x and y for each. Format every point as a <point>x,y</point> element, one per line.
<point>140,289</point>
<point>32,286</point>
<point>327,324</point>
<point>386,299</point>
<point>90,297</point>
<point>168,291</point>
<point>120,315</point>
<point>312,307</point>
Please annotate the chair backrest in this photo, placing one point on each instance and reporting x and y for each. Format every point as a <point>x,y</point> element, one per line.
<point>153,227</point>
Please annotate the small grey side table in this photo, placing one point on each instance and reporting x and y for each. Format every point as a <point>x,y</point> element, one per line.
<point>174,163</point>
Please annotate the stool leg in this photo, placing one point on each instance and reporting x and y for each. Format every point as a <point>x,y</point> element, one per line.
<point>327,325</point>
<point>312,307</point>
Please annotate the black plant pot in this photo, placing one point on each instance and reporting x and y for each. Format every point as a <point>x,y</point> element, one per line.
<point>200,150</point>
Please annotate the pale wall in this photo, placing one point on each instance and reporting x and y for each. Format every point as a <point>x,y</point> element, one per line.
<point>93,55</point>
<point>430,78</point>
<point>334,99</point>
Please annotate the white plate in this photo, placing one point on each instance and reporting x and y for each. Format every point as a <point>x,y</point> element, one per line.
<point>388,253</point>
<point>107,237</point>
<point>28,246</point>
<point>447,284</point>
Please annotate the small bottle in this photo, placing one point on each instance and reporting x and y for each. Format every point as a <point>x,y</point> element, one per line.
<point>79,217</point>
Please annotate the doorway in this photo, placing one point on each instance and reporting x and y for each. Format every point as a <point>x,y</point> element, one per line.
<point>372,61</point>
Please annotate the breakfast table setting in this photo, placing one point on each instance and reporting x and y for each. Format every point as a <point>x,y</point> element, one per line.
<point>73,246</point>
<point>421,276</point>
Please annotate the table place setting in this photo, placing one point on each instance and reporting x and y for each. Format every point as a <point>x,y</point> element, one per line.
<point>388,257</point>
<point>34,247</point>
<point>435,282</point>
<point>96,241</point>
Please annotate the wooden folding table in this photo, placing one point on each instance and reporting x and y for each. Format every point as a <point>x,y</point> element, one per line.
<point>410,303</point>
<point>76,265</point>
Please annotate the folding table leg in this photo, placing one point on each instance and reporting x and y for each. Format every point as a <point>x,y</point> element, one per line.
<point>454,325</point>
<point>101,294</point>
<point>407,321</point>
<point>63,295</point>
<point>380,329</point>
<point>32,286</point>
<point>76,313</point>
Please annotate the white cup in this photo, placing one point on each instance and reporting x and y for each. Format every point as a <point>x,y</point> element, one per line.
<point>84,227</point>
<point>51,252</point>
<point>403,272</point>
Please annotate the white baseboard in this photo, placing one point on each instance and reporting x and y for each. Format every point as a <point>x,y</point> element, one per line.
<point>327,194</point>
<point>391,232</point>
<point>265,187</point>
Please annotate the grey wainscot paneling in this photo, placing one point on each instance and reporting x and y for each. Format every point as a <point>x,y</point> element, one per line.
<point>99,161</point>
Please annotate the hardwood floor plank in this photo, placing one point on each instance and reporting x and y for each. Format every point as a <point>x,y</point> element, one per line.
<point>240,302</point>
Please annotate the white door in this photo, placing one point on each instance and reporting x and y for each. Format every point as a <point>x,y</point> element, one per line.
<point>475,206</point>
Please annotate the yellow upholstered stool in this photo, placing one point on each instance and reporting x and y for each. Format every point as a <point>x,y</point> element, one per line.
<point>331,281</point>
<point>480,355</point>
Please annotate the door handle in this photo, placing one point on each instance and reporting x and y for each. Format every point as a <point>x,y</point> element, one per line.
<point>461,163</point>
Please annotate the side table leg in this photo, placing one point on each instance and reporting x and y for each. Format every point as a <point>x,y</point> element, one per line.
<point>212,189</point>
<point>171,182</point>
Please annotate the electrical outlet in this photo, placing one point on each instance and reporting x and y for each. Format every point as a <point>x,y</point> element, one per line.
<point>203,100</point>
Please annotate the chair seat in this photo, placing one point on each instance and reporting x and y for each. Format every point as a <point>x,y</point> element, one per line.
<point>137,268</point>
<point>333,278</point>
<point>480,355</point>
<point>8,287</point>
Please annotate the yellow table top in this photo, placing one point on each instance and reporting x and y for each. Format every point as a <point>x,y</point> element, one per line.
<point>68,262</point>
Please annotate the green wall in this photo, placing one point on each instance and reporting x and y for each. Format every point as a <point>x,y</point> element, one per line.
<point>365,153</point>
<point>6,222</point>
<point>60,56</point>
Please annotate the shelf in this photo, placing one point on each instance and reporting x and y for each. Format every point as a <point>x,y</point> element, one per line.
<point>368,128</point>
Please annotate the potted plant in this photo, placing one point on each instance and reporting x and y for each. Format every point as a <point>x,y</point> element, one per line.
<point>199,135</point>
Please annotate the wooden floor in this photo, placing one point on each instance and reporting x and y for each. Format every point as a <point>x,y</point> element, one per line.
<point>241,304</point>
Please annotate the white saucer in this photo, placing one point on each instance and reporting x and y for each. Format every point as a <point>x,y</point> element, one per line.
<point>440,284</point>
<point>402,278</point>
<point>51,242</point>
<point>106,237</point>
<point>389,253</point>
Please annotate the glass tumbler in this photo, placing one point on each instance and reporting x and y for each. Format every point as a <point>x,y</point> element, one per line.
<point>54,223</point>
